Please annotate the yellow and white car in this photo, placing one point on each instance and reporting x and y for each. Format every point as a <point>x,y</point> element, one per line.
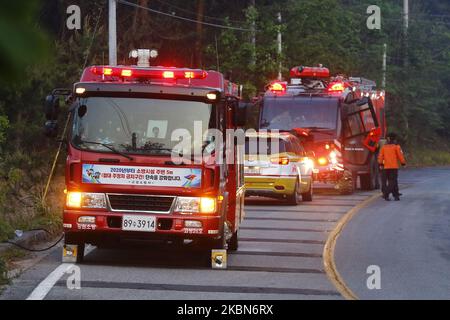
<point>276,165</point>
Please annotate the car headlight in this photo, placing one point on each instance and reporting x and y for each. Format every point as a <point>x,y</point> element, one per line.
<point>80,200</point>
<point>333,157</point>
<point>195,205</point>
<point>309,164</point>
<point>322,161</point>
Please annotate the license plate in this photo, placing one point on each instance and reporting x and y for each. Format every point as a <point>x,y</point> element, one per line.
<point>251,170</point>
<point>139,223</point>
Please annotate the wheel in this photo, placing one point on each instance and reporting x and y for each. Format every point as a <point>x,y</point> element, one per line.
<point>211,244</point>
<point>80,253</point>
<point>345,183</point>
<point>233,245</point>
<point>308,196</point>
<point>294,198</point>
<point>370,181</point>
<point>366,182</point>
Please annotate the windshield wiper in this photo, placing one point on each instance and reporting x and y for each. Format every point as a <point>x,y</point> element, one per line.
<point>108,146</point>
<point>158,149</point>
<point>321,130</point>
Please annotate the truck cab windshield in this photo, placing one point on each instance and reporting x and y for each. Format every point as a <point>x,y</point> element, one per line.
<point>140,126</point>
<point>286,113</point>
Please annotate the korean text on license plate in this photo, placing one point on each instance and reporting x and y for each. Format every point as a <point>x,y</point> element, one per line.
<point>139,223</point>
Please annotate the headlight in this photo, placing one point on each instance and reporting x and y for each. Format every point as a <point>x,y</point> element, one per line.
<point>322,161</point>
<point>309,164</point>
<point>195,205</point>
<point>333,157</point>
<point>79,200</point>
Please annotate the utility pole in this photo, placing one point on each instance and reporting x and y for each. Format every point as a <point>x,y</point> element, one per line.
<point>406,15</point>
<point>253,34</point>
<point>112,37</point>
<point>405,30</point>
<point>383,83</point>
<point>279,41</point>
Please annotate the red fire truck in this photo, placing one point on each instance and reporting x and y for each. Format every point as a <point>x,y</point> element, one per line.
<point>340,119</point>
<point>127,177</point>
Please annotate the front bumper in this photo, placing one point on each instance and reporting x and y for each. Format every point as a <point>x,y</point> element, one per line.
<point>269,186</point>
<point>329,173</point>
<point>108,227</point>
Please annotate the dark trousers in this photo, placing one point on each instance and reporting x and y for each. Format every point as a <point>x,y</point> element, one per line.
<point>383,181</point>
<point>389,182</point>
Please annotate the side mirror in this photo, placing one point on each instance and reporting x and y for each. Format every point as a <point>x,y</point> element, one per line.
<point>51,107</point>
<point>51,128</point>
<point>240,115</point>
<point>51,111</point>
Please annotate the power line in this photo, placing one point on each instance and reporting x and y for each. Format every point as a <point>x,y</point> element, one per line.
<point>183,18</point>
<point>93,37</point>
<point>194,13</point>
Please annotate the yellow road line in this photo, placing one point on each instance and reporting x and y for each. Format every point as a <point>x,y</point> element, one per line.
<point>328,250</point>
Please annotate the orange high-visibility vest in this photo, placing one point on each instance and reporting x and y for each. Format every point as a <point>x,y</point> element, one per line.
<point>390,155</point>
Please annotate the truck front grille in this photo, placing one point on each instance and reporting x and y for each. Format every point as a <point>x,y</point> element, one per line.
<point>122,202</point>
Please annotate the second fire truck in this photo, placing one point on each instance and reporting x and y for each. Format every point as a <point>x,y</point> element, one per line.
<point>340,119</point>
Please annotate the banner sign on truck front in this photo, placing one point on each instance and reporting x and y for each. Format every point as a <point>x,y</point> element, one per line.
<point>142,176</point>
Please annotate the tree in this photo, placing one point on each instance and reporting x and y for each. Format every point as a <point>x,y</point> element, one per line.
<point>21,42</point>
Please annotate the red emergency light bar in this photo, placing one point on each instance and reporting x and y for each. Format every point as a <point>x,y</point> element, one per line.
<point>278,87</point>
<point>156,73</point>
<point>337,87</point>
<point>310,72</point>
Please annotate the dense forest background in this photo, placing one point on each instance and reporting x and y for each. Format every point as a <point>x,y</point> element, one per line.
<point>38,53</point>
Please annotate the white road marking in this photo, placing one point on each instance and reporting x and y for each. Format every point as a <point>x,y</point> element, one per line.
<point>41,291</point>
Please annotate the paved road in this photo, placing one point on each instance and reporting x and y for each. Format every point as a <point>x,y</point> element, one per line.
<point>280,257</point>
<point>409,240</point>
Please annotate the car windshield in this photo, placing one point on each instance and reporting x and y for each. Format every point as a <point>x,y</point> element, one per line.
<point>264,146</point>
<point>299,112</point>
<point>140,126</point>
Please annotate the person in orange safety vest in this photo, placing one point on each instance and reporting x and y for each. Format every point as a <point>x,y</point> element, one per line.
<point>390,156</point>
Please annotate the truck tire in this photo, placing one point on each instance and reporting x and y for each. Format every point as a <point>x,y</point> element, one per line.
<point>233,245</point>
<point>211,244</point>
<point>370,181</point>
<point>80,253</point>
<point>308,196</point>
<point>366,182</point>
<point>345,183</point>
<point>294,199</point>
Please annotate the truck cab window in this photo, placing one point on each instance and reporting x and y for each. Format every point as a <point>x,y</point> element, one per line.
<point>141,126</point>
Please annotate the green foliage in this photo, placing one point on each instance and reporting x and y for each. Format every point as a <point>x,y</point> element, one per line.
<point>6,230</point>
<point>330,32</point>
<point>4,124</point>
<point>21,42</point>
<point>25,154</point>
<point>3,272</point>
<point>424,156</point>
<point>8,257</point>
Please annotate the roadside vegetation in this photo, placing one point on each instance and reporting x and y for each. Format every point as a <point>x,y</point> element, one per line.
<point>7,259</point>
<point>46,55</point>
